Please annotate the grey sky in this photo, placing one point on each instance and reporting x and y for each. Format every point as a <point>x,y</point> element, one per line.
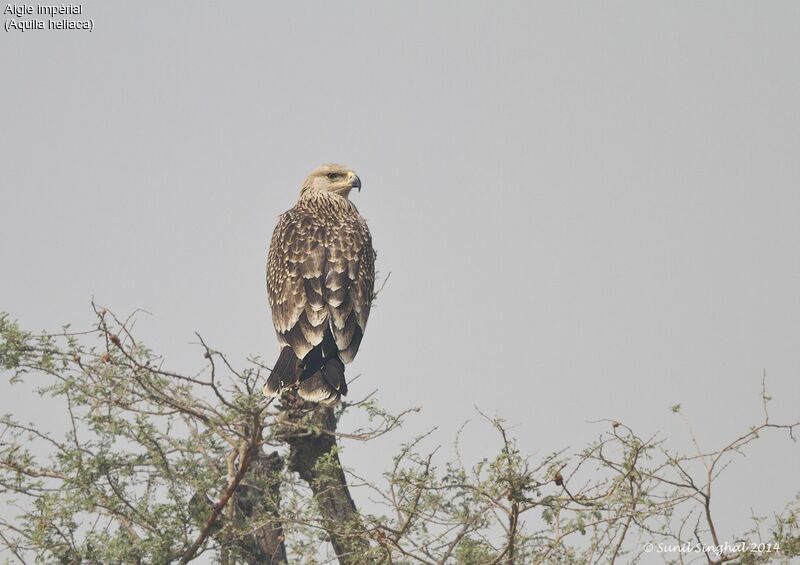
<point>589,210</point>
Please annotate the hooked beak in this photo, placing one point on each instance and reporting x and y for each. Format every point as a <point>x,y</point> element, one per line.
<point>355,182</point>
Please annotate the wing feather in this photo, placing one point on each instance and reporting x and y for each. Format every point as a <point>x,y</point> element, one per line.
<point>320,274</point>
<point>350,280</point>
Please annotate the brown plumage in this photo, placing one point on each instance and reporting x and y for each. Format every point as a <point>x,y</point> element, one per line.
<point>320,279</point>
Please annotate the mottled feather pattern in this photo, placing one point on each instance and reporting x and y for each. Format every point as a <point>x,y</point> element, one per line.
<point>321,274</point>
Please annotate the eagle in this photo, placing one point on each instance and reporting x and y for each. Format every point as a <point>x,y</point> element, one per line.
<point>320,281</point>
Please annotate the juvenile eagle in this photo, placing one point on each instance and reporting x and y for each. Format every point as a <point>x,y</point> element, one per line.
<point>320,278</point>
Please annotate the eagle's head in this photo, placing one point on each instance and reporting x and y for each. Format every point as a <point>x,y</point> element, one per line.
<point>331,179</point>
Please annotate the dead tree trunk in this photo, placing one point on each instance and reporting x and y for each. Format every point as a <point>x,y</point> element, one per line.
<point>308,430</point>
<point>255,500</point>
<point>258,500</point>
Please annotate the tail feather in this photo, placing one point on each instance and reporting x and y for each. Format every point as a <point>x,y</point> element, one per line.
<point>320,374</point>
<point>283,375</point>
<point>326,385</point>
<point>317,357</point>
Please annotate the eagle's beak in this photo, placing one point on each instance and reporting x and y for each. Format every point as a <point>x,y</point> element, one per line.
<point>355,182</point>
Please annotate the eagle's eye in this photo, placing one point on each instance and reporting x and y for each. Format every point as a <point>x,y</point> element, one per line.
<point>334,176</point>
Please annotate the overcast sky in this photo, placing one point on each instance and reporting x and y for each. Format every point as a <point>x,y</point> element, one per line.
<point>588,210</point>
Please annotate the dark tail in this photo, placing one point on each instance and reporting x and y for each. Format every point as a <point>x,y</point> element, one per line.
<point>321,374</point>
<point>326,385</point>
<point>283,375</point>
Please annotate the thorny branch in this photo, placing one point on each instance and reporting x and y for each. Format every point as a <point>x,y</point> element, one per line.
<point>144,450</point>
